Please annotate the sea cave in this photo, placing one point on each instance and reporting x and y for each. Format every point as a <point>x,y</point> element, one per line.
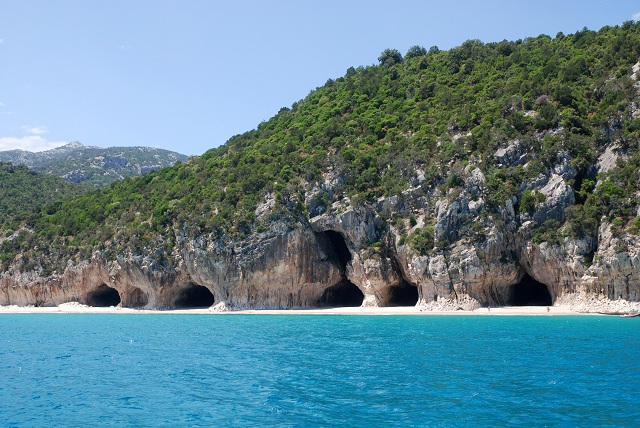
<point>344,294</point>
<point>103,296</point>
<point>403,294</point>
<point>529,292</point>
<point>194,296</point>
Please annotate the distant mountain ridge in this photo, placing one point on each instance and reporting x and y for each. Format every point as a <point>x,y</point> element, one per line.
<point>91,165</point>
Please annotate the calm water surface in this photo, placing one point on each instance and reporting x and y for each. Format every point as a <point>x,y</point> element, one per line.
<point>318,370</point>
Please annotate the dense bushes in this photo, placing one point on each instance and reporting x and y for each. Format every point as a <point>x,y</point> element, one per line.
<point>23,192</point>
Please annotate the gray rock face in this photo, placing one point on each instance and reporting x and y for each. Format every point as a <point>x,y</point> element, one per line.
<point>558,196</point>
<point>289,268</point>
<point>94,166</point>
<point>511,155</point>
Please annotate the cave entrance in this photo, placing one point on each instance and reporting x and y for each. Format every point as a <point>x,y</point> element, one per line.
<point>529,292</point>
<point>135,298</point>
<point>103,296</point>
<point>339,247</point>
<point>403,294</point>
<point>194,296</point>
<point>344,294</point>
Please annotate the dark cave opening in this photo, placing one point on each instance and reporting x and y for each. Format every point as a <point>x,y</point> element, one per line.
<point>194,296</point>
<point>103,296</point>
<point>344,294</point>
<point>339,246</point>
<point>403,294</point>
<point>529,292</point>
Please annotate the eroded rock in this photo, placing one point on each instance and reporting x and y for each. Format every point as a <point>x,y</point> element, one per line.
<point>363,254</point>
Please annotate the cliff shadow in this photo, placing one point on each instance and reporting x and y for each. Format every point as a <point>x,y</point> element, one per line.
<point>336,247</point>
<point>193,296</point>
<point>528,292</point>
<point>103,296</point>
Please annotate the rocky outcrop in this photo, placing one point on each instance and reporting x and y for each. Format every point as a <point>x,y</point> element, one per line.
<point>285,268</point>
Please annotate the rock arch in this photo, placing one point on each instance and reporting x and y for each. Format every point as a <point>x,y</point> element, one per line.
<point>103,296</point>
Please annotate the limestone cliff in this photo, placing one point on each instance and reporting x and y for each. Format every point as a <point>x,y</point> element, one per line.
<point>356,255</point>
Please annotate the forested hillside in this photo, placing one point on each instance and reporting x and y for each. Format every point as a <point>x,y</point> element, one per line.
<point>93,166</point>
<point>23,192</point>
<point>514,109</point>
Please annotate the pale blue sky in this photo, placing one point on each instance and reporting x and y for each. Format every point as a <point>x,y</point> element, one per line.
<point>187,75</point>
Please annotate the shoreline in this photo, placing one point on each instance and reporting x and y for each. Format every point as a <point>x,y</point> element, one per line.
<point>76,308</point>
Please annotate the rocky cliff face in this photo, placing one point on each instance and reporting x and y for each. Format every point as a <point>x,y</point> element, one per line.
<point>284,268</point>
<point>346,255</point>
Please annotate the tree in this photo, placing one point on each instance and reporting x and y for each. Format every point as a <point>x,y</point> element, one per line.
<point>415,51</point>
<point>390,57</point>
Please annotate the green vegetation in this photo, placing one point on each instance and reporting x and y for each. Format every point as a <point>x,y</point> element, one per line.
<point>430,110</point>
<point>23,192</point>
<point>529,200</point>
<point>421,241</point>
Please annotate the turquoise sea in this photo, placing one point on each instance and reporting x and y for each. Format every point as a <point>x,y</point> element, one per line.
<point>318,370</point>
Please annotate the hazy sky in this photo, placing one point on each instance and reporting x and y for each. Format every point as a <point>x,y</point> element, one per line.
<point>186,75</point>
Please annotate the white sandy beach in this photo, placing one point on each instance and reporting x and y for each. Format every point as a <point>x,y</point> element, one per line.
<point>77,308</point>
